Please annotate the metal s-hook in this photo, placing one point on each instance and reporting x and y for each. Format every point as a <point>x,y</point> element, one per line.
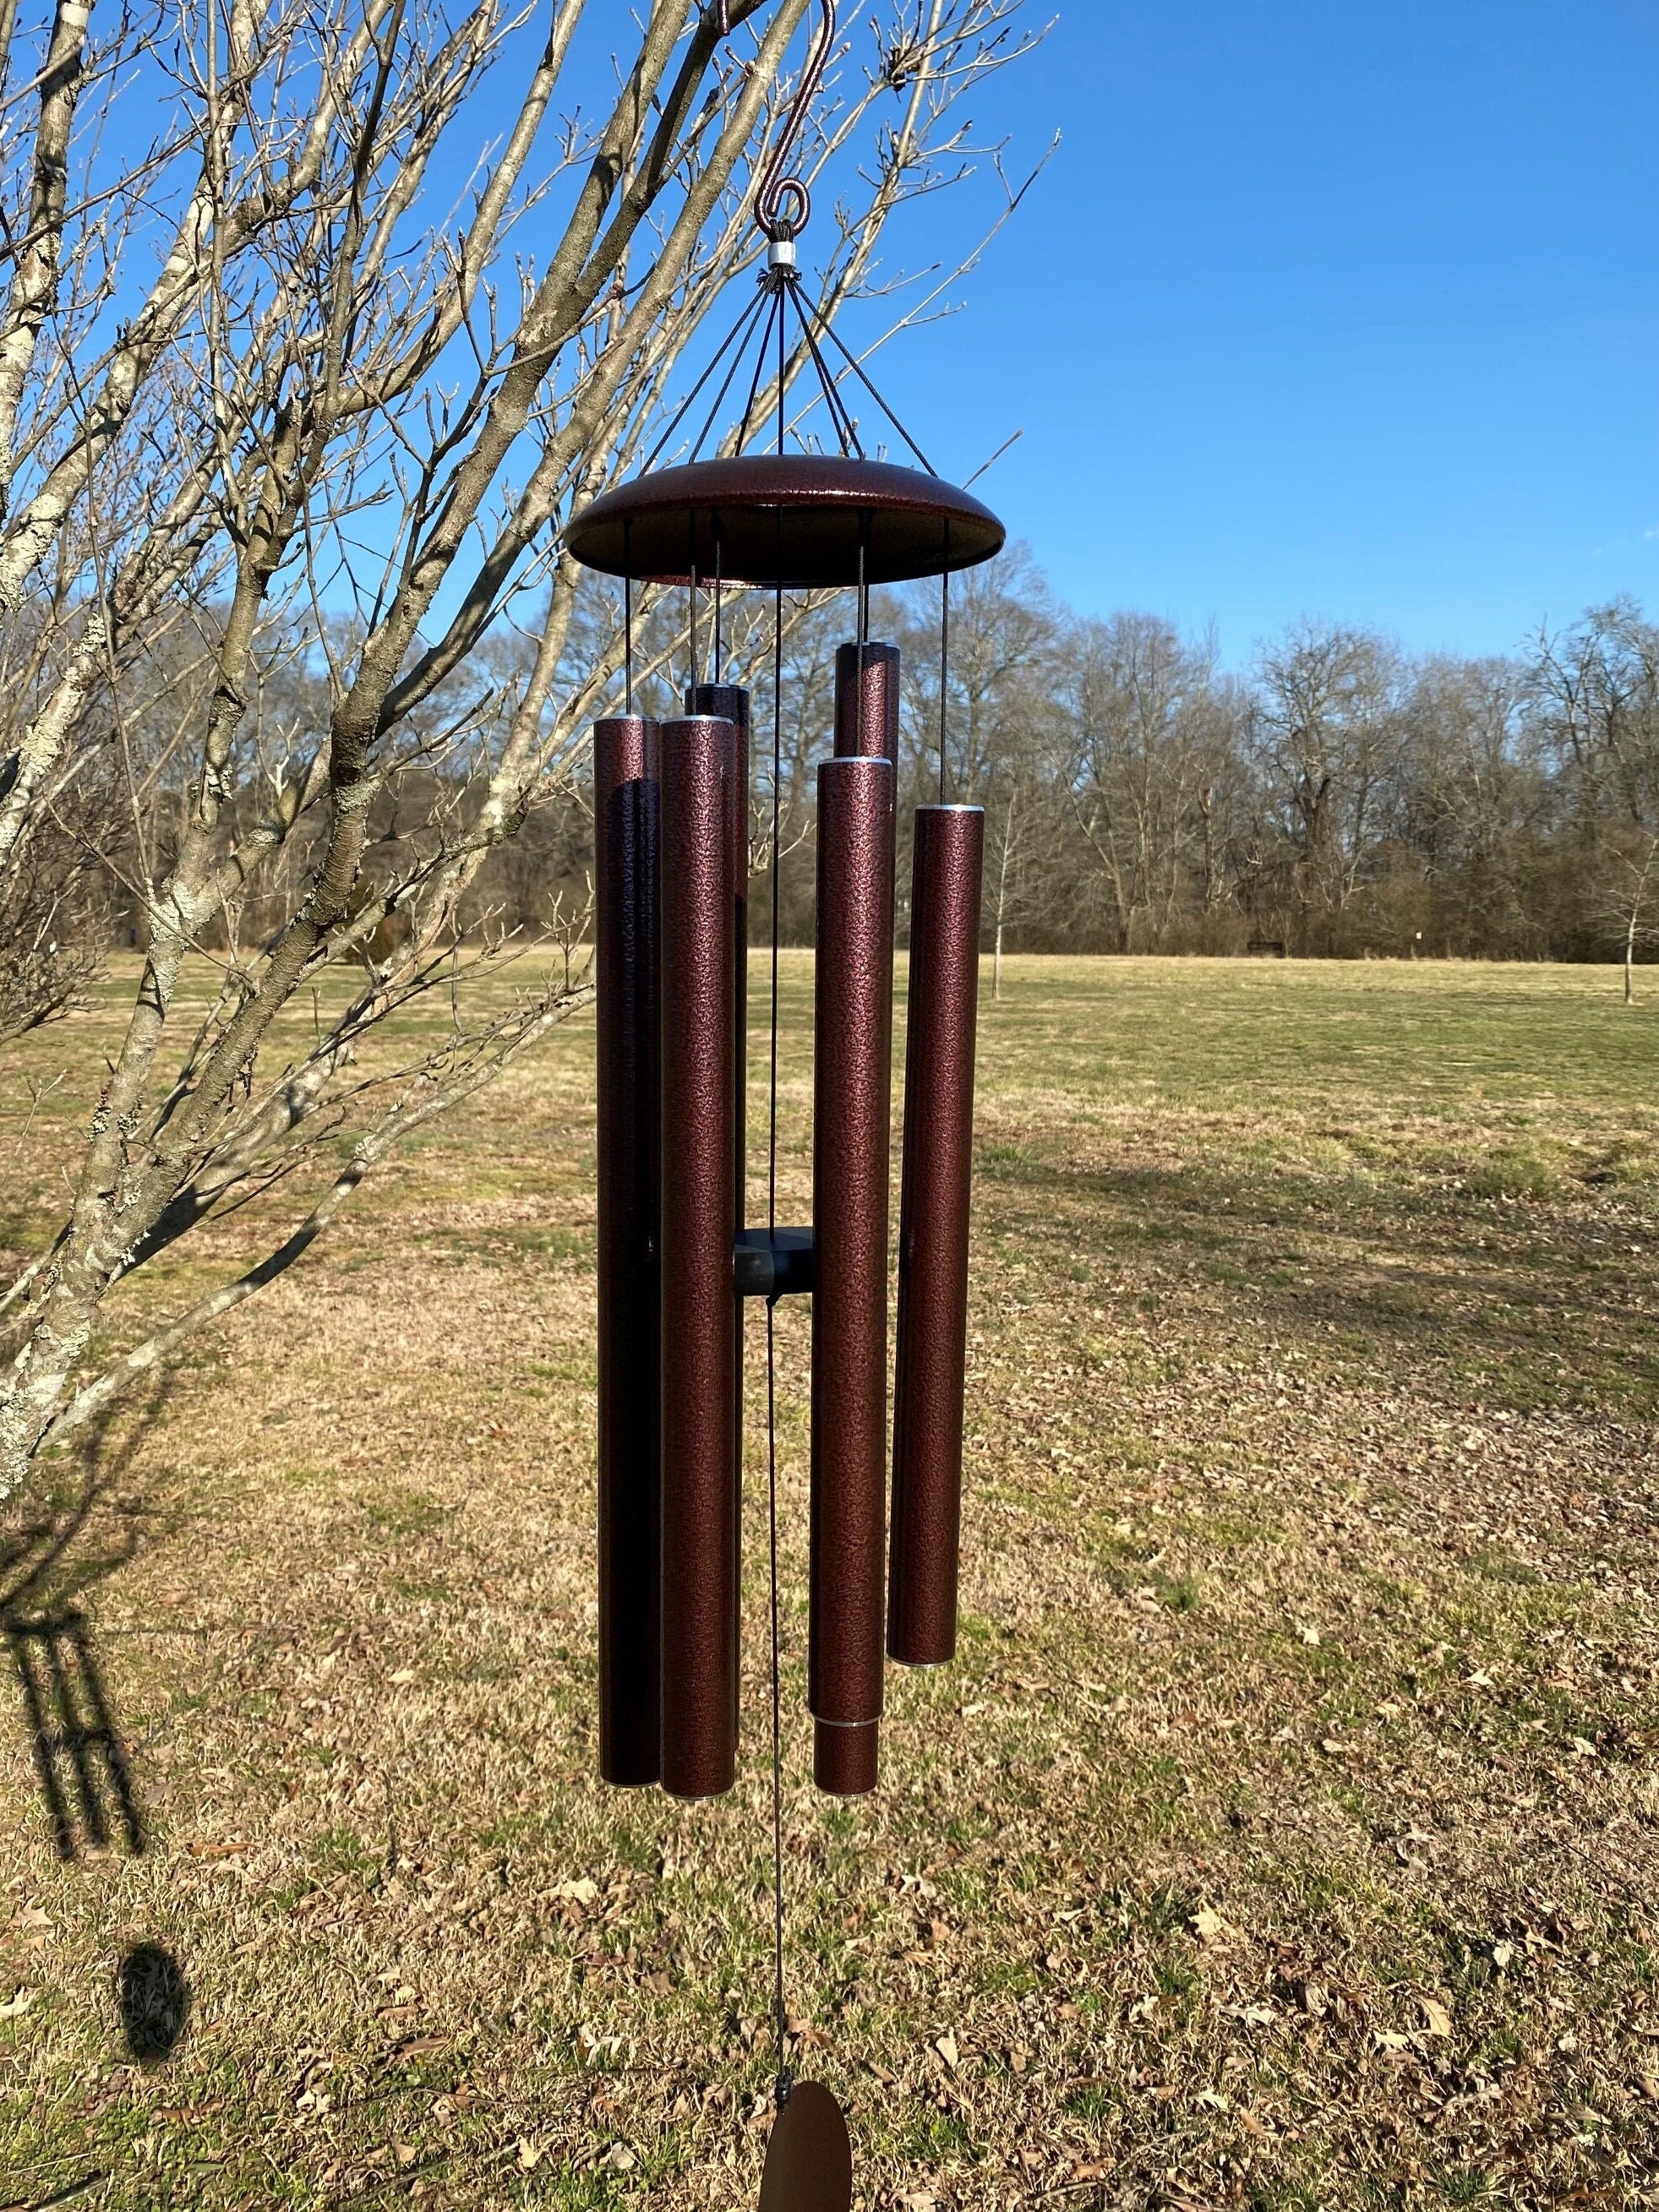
<point>783,206</point>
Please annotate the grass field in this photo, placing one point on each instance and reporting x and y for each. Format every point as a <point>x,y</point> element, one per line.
<point>1286,1836</point>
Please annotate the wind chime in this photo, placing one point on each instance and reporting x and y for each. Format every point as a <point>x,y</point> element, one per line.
<point>677,1259</point>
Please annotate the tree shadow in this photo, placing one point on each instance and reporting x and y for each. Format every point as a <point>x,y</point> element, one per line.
<point>70,1542</point>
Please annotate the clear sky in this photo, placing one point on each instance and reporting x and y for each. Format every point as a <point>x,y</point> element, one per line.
<point>1322,307</point>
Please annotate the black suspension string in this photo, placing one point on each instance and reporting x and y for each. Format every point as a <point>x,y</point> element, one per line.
<point>782,2008</point>
<point>737,336</point>
<point>863,615</point>
<point>856,368</point>
<point>719,578</point>
<point>945,665</point>
<point>628,617</point>
<point>730,377</point>
<point>761,357</point>
<point>847,436</point>
<point>691,614</point>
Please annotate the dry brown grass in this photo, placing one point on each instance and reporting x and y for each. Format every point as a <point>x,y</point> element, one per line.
<point>1287,1835</point>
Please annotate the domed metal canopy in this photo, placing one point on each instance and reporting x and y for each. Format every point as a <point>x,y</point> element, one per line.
<point>801,521</point>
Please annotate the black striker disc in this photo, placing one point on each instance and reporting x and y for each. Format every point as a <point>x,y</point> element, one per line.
<point>809,2160</point>
<point>799,520</point>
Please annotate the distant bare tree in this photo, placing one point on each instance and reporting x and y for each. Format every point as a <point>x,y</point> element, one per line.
<point>1329,731</point>
<point>1140,717</point>
<point>1598,685</point>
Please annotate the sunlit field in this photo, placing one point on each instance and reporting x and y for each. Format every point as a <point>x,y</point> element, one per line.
<point>1286,1835</point>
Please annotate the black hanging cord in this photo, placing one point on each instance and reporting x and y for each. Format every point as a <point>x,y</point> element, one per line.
<point>776,299</point>
<point>714,412</point>
<point>847,436</point>
<point>628,617</point>
<point>945,665</point>
<point>691,611</point>
<point>719,578</point>
<point>784,2083</point>
<point>740,330</point>
<point>856,368</point>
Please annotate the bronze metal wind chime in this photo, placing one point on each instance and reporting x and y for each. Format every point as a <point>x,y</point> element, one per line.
<point>678,1258</point>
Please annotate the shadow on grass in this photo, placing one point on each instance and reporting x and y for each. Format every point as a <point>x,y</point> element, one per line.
<point>1528,1301</point>
<point>154,2003</point>
<point>81,1760</point>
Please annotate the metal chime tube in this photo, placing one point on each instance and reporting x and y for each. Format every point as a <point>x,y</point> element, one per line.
<point>850,1178</point>
<point>932,1303</point>
<point>868,701</point>
<point>625,823</point>
<point>699,1203</point>
<point>729,702</point>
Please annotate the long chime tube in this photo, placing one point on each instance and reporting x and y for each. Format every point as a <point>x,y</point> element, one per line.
<point>625,821</point>
<point>699,1373</point>
<point>850,1181</point>
<point>930,1365</point>
<point>730,702</point>
<point>868,701</point>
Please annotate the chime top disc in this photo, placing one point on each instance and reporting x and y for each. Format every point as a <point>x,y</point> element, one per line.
<point>809,2160</point>
<point>794,520</point>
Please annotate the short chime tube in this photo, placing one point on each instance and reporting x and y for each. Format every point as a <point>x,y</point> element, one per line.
<point>930,1364</point>
<point>625,823</point>
<point>868,701</point>
<point>730,702</point>
<point>850,1178</point>
<point>699,1372</point>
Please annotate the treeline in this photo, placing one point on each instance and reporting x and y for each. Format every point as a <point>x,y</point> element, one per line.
<point>1343,797</point>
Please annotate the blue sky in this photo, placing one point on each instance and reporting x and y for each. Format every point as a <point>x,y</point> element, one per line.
<point>1322,308</point>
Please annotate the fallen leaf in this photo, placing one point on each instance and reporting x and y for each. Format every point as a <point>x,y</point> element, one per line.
<point>1207,1923</point>
<point>22,2003</point>
<point>946,2048</point>
<point>579,1892</point>
<point>1437,2021</point>
<point>417,2047</point>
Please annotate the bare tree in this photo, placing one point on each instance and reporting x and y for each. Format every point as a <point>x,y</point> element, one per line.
<point>282,446</point>
<point>1139,716</point>
<point>1328,728</point>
